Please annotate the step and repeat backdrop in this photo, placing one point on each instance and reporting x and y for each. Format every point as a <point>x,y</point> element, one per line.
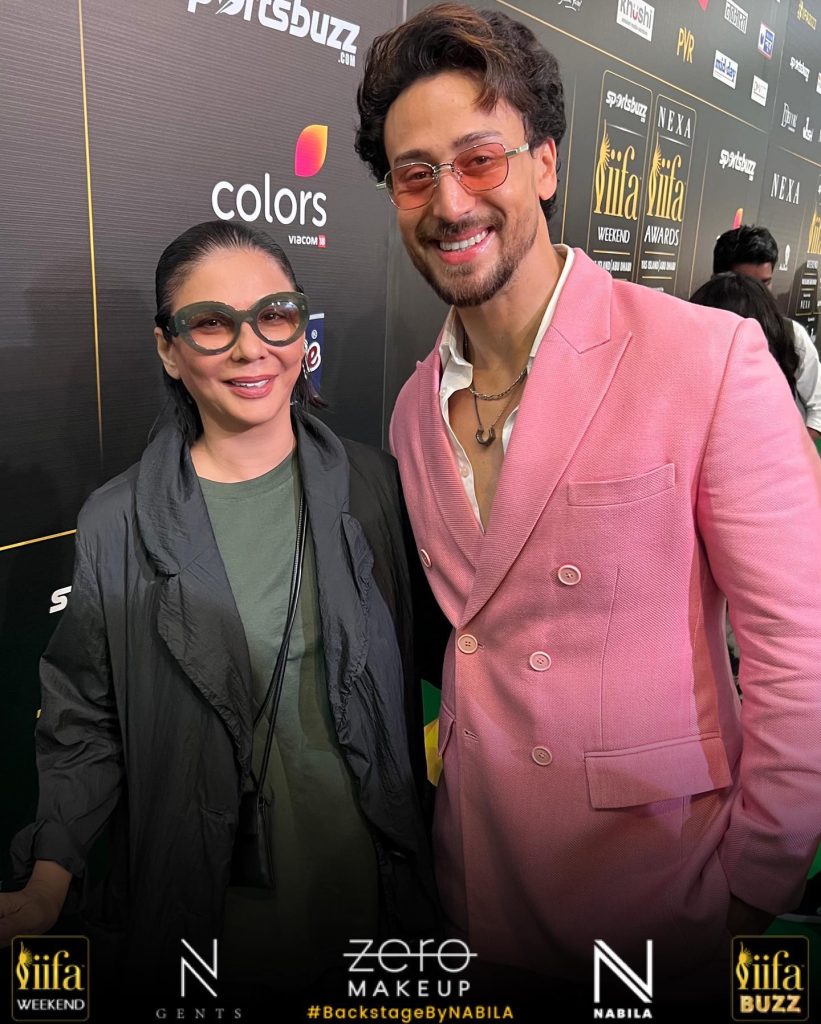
<point>124,123</point>
<point>685,118</point>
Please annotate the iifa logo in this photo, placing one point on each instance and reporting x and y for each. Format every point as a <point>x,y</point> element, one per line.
<point>285,206</point>
<point>770,977</point>
<point>50,978</point>
<point>641,988</point>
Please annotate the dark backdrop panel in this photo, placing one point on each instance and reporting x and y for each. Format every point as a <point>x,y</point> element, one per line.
<point>49,454</point>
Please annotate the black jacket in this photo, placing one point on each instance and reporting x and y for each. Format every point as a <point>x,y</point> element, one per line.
<point>146,713</point>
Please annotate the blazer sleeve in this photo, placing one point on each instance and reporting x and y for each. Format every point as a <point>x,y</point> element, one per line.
<point>77,738</point>
<point>808,376</point>
<point>759,515</point>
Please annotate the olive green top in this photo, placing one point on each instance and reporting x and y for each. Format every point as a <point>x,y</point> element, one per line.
<point>324,860</point>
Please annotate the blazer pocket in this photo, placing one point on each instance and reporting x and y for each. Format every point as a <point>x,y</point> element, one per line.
<point>657,771</point>
<point>619,492</point>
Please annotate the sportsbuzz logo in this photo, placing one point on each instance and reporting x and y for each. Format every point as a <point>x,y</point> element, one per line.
<point>49,978</point>
<point>295,18</point>
<point>640,989</point>
<point>301,208</point>
<point>770,978</point>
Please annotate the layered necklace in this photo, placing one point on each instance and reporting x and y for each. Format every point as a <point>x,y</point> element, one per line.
<point>486,437</point>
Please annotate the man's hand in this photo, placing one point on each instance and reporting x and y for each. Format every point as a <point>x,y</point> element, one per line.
<point>35,908</point>
<point>744,919</point>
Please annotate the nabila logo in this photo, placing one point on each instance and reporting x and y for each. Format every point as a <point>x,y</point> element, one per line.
<point>286,206</point>
<point>641,988</point>
<point>616,182</point>
<point>785,189</point>
<point>293,17</point>
<point>770,977</point>
<point>50,978</point>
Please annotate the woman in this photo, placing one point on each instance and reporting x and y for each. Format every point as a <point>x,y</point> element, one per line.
<point>749,298</point>
<point>161,682</point>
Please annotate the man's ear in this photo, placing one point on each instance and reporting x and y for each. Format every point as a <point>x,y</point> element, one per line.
<point>544,157</point>
<point>167,352</point>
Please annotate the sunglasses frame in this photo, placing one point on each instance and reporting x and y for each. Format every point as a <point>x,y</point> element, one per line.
<point>436,170</point>
<point>177,323</point>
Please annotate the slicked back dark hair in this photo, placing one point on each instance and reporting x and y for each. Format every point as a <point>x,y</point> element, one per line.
<point>747,244</point>
<point>503,55</point>
<point>749,298</point>
<point>177,261</point>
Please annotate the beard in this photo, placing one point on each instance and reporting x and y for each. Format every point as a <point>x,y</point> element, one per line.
<point>461,285</point>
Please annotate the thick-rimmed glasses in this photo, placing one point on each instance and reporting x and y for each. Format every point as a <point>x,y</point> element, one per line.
<point>213,327</point>
<point>478,169</point>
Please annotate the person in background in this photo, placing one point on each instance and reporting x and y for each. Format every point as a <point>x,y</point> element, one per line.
<point>231,685</point>
<point>591,469</point>
<point>752,251</point>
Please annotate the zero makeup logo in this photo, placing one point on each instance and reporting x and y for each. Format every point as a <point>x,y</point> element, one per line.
<point>310,150</point>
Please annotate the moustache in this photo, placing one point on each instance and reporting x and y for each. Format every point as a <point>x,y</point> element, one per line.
<point>443,231</point>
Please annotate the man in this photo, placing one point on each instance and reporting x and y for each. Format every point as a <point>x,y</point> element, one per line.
<point>586,483</point>
<point>753,251</point>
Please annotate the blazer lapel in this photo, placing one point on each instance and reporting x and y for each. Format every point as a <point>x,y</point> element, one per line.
<point>571,373</point>
<point>197,616</point>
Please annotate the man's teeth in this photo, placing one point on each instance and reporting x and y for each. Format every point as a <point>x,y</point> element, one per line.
<point>249,384</point>
<point>466,243</point>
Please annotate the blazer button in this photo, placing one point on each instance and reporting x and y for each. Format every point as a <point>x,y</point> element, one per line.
<point>569,575</point>
<point>540,661</point>
<point>542,756</point>
<point>425,558</point>
<point>467,644</point>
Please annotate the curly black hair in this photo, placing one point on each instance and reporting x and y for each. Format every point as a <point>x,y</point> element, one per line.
<point>502,54</point>
<point>747,244</point>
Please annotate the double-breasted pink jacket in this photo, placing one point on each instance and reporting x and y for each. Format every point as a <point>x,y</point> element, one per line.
<point>601,779</point>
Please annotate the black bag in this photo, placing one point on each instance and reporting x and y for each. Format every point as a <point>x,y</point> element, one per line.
<point>252,863</point>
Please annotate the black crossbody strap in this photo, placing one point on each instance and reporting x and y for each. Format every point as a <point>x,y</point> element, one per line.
<point>275,688</point>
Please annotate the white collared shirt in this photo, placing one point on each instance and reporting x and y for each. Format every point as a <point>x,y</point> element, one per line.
<point>457,374</point>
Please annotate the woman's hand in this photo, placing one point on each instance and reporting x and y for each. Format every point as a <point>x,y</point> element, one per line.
<point>35,908</point>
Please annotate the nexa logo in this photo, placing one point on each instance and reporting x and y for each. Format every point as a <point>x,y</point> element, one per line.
<point>294,17</point>
<point>285,206</point>
<point>642,988</point>
<point>785,188</point>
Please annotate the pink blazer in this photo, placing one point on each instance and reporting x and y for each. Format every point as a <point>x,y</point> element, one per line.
<point>600,777</point>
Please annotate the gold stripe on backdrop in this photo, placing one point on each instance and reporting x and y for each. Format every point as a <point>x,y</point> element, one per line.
<point>36,540</point>
<point>91,233</point>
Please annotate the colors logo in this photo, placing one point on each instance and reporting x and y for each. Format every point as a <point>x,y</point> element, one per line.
<point>284,206</point>
<point>310,150</point>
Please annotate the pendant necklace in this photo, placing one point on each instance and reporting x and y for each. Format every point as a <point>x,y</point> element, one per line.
<point>486,437</point>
